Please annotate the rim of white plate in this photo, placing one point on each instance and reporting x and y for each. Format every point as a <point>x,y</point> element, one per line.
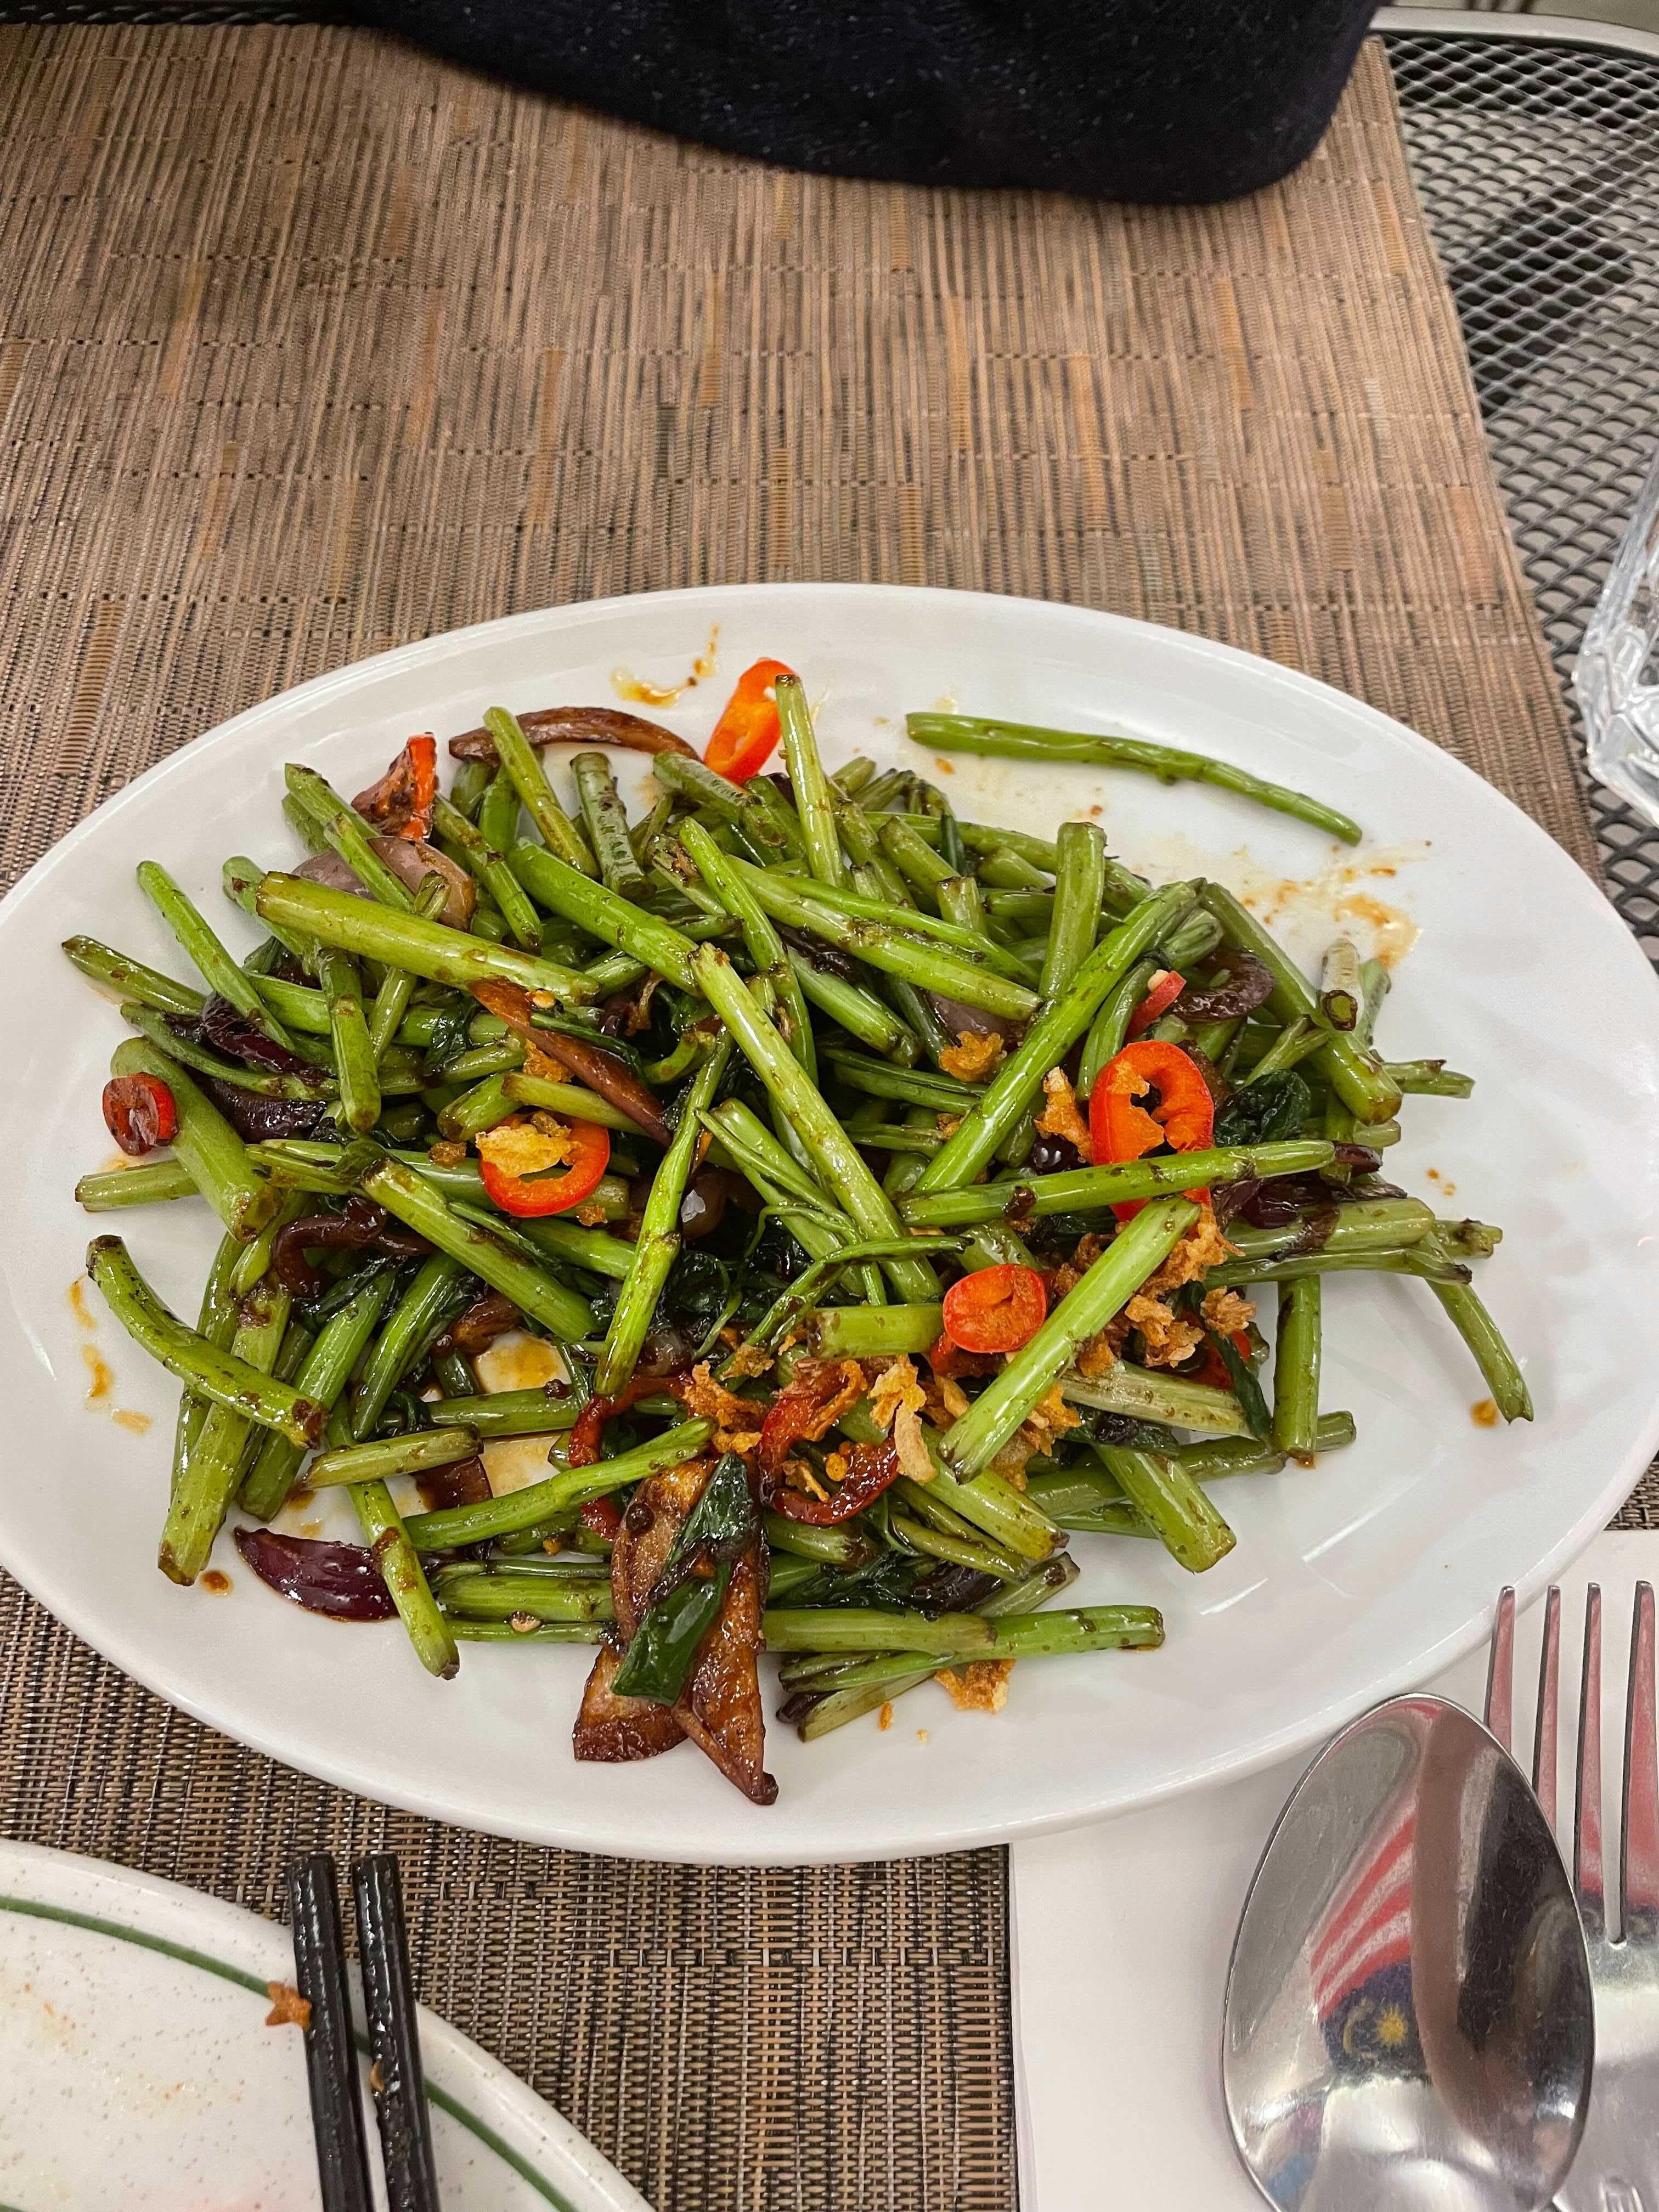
<point>193,1928</point>
<point>1567,879</point>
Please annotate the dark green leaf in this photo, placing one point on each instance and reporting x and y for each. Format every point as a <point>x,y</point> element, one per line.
<point>1265,1112</point>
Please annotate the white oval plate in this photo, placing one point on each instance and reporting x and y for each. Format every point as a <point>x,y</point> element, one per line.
<point>139,2070</point>
<point>1350,1581</point>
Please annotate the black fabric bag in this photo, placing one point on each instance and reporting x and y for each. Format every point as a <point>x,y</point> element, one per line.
<point>1133,100</point>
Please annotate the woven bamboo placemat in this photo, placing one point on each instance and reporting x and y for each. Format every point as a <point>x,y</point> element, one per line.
<point>313,346</point>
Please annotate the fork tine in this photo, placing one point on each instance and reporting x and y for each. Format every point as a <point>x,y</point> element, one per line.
<point>1639,1858</point>
<point>1587,1875</point>
<point>1500,1670</point>
<point>1549,1695</point>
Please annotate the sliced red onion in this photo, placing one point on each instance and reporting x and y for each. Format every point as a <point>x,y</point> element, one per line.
<point>409,859</point>
<point>957,1016</point>
<point>340,1581</point>
<point>328,870</point>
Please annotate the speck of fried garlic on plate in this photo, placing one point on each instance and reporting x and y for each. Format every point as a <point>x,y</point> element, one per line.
<point>288,2008</point>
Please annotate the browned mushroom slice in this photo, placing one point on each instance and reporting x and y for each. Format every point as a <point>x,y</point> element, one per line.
<point>577,726</point>
<point>611,1731</point>
<point>721,1710</point>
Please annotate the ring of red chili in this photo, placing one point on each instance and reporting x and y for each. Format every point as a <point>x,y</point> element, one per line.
<point>529,1197</point>
<point>588,1433</point>
<point>140,1112</point>
<point>1182,1117</point>
<point>1165,990</point>
<point>995,1309</point>
<point>747,732</point>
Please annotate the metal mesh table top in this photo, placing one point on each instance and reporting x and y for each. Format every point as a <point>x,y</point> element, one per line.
<point>1538,165</point>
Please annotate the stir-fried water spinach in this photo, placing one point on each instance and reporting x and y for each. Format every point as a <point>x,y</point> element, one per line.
<point>899,1195</point>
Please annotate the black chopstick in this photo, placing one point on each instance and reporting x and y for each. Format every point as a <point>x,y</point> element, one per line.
<point>319,1969</point>
<point>411,2177</point>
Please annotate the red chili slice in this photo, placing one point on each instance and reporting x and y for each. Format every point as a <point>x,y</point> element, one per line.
<point>601,1516</point>
<point>528,1196</point>
<point>820,1392</point>
<point>586,1438</point>
<point>995,1309</point>
<point>1214,1369</point>
<point>870,1469</point>
<point>748,730</point>
<point>1165,990</point>
<point>139,1113</point>
<point>401,803</point>
<point>1184,1117</point>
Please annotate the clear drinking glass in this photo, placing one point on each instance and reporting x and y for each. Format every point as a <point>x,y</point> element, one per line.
<point>1617,674</point>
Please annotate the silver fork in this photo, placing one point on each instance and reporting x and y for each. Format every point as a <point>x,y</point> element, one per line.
<point>1617,2168</point>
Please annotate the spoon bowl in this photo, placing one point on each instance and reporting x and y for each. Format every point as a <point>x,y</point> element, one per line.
<point>1408,2023</point>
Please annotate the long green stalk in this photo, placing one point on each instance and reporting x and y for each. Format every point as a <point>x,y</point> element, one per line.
<point>218,971</point>
<point>419,1452</point>
<point>207,1482</point>
<point>204,1145</point>
<point>837,1160</point>
<point>606,822</point>
<point>1080,896</point>
<point>209,1372</point>
<point>659,1243</point>
<point>870,1332</point>
<point>387,1536</point>
<point>508,1412</point>
<point>1497,1362</point>
<point>124,978</point>
<point>486,865</point>
<point>454,1526</point>
<point>957,1635</point>
<point>893,950</point>
<point>523,765</point>
<point>1081,1190</point>
<point>972,733</point>
<point>975,1438</point>
<point>216,1323</point>
<point>1296,1366</point>
<point>761,939</point>
<point>346,833</point>
<point>417,1203</point>
<point>1146,1395</point>
<point>562,888</point>
<point>1017,1084</point>
<point>406,940</point>
<point>841,1705</point>
<point>814,801</point>
<point>326,1368</point>
<point>1351,1069</point>
<point>1167,1499</point>
<point>410,1328</point>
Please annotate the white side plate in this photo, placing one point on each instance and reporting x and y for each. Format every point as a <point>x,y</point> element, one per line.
<point>139,2070</point>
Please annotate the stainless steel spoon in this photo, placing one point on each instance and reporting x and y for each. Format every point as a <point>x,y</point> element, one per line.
<point>1408,2021</point>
